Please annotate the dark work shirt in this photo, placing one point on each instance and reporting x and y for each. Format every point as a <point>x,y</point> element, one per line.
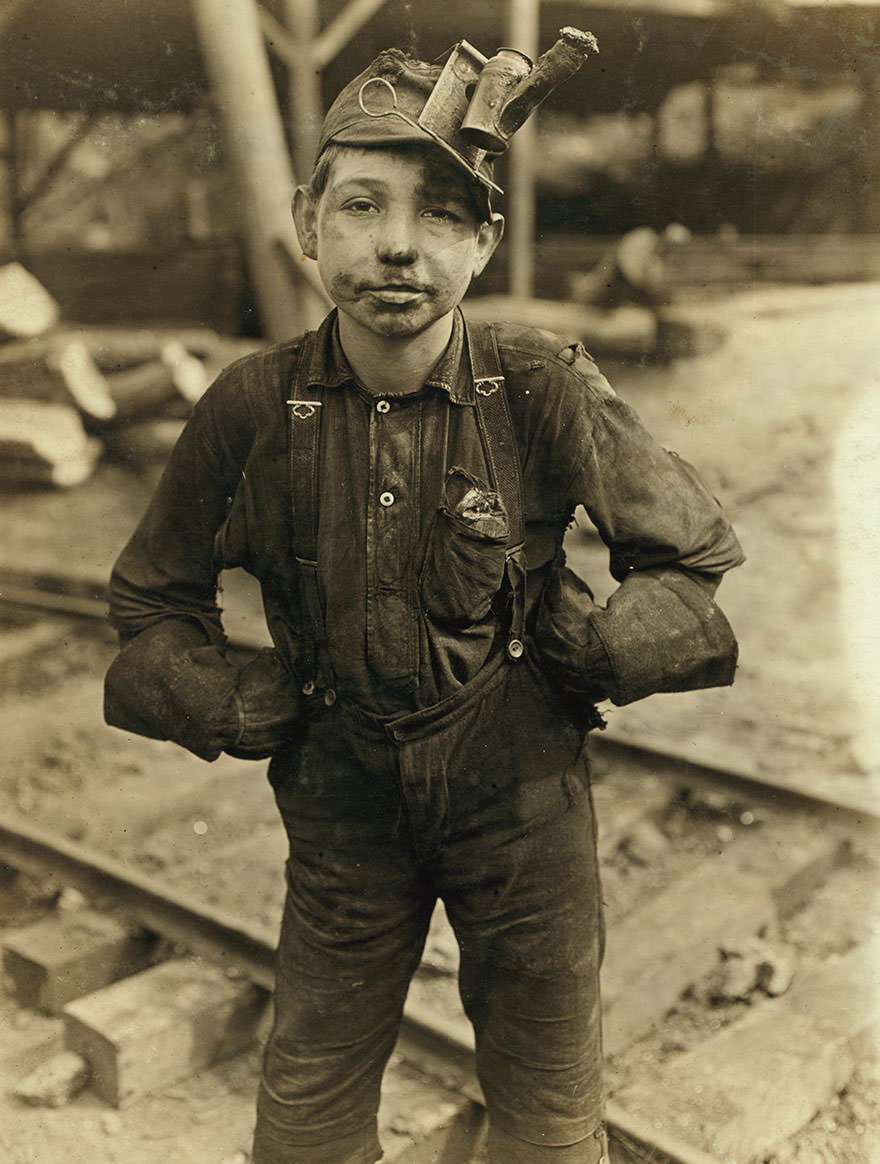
<point>384,466</point>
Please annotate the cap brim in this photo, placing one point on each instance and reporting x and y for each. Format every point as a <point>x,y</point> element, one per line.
<point>373,132</point>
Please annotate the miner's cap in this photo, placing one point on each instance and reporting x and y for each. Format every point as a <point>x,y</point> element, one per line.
<point>469,107</point>
<point>382,107</point>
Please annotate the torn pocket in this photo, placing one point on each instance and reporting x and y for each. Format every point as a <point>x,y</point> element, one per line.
<point>465,558</point>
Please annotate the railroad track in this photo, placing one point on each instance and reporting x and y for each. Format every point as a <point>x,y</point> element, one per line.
<point>673,834</point>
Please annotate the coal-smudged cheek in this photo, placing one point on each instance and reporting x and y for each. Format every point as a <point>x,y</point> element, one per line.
<point>340,287</point>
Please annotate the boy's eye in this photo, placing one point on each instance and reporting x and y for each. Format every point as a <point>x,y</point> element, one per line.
<point>440,214</point>
<point>360,205</point>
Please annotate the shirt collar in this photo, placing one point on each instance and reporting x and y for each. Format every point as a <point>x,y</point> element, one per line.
<point>329,367</point>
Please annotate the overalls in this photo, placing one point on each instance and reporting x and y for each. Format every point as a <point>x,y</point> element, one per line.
<point>482,800</point>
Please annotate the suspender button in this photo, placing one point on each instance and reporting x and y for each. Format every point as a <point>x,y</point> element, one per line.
<point>308,688</point>
<point>515,649</point>
<point>329,697</point>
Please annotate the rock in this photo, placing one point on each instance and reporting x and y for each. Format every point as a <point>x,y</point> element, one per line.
<point>750,966</point>
<point>70,900</point>
<point>111,1123</point>
<point>55,1082</point>
<point>776,970</point>
<point>644,843</point>
<point>733,981</point>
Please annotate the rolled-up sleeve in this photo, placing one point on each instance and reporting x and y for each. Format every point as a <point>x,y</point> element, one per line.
<point>669,542</point>
<point>172,680</point>
<point>648,504</point>
<point>167,569</point>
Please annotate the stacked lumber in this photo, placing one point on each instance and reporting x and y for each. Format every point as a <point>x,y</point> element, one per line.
<point>43,443</point>
<point>61,371</point>
<point>26,307</point>
<point>68,395</point>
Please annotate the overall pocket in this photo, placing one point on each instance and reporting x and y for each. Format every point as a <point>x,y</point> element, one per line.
<point>465,558</point>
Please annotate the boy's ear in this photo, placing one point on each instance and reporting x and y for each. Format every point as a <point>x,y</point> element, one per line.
<point>306,220</point>
<point>488,238</point>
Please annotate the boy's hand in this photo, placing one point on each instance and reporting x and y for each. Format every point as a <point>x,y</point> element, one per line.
<point>268,703</point>
<point>572,653</point>
<point>171,683</point>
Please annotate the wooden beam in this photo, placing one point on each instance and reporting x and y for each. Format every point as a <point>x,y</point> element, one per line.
<point>232,42</point>
<point>13,171</point>
<point>524,27</point>
<point>26,198</point>
<point>279,39</point>
<point>343,29</point>
<point>304,91</point>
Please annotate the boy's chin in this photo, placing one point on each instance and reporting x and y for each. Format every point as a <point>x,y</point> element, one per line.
<point>395,323</point>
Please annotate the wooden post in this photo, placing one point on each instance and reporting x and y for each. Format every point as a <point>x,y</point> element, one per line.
<point>238,69</point>
<point>524,34</point>
<point>870,141</point>
<point>13,179</point>
<point>304,92</point>
<point>7,188</point>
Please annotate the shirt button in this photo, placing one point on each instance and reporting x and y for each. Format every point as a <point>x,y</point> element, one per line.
<point>386,498</point>
<point>383,406</point>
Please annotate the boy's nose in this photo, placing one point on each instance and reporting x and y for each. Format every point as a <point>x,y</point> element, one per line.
<point>396,243</point>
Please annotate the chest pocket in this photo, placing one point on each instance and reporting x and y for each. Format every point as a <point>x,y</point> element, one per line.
<point>465,562</point>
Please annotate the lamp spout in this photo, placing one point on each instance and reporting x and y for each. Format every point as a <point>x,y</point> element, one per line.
<point>556,65</point>
<point>510,89</point>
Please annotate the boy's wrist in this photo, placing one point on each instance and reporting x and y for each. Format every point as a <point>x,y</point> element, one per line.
<point>266,700</point>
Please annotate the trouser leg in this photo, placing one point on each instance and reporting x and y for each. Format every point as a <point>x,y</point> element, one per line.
<point>354,925</point>
<point>518,874</point>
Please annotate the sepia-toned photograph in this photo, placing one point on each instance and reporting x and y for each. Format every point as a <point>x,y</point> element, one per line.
<point>440,582</point>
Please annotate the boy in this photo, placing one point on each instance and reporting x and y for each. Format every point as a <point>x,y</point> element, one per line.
<point>400,484</point>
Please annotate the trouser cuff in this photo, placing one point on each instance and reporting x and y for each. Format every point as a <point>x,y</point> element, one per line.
<point>361,1147</point>
<point>507,1149</point>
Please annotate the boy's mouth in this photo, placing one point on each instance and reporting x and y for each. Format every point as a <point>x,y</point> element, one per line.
<point>396,293</point>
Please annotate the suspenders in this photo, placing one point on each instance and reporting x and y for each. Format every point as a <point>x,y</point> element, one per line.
<point>499,445</point>
<point>304,426</point>
<point>496,431</point>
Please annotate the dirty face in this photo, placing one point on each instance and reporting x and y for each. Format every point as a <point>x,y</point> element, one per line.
<point>396,236</point>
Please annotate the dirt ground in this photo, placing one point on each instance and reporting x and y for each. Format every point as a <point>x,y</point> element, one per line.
<point>774,418</point>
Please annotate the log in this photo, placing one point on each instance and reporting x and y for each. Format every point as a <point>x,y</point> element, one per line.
<point>145,389</point>
<point>60,371</point>
<point>117,348</point>
<point>627,332</point>
<point>44,444</point>
<point>26,307</point>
